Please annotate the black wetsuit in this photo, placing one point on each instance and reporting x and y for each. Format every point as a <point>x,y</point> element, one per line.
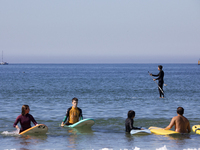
<point>160,79</point>
<point>129,125</point>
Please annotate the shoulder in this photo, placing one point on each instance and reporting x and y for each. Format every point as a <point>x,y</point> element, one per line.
<point>79,109</point>
<point>128,120</point>
<point>29,115</point>
<point>175,118</point>
<point>178,118</point>
<point>185,118</point>
<point>69,108</point>
<point>19,116</point>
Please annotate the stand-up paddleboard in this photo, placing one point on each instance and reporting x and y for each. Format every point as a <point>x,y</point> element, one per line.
<point>196,129</point>
<point>162,131</point>
<point>140,132</point>
<point>82,123</point>
<point>36,130</point>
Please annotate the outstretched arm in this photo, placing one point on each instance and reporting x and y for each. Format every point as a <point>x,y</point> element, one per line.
<point>155,75</point>
<point>16,122</point>
<point>63,122</point>
<point>172,123</point>
<point>80,114</point>
<point>65,119</point>
<point>33,120</point>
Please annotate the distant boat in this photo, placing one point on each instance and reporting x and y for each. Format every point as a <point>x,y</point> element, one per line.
<point>199,62</point>
<point>3,63</point>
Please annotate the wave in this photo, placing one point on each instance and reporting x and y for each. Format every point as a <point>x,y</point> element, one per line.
<point>161,148</point>
<point>16,132</point>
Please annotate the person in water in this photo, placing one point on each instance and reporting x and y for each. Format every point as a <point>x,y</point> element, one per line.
<point>160,79</point>
<point>25,119</point>
<point>73,113</point>
<point>182,125</point>
<point>129,122</point>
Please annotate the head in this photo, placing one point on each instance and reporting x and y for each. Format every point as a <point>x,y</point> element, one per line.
<point>131,114</point>
<point>74,102</point>
<point>25,109</point>
<point>180,110</point>
<point>160,67</point>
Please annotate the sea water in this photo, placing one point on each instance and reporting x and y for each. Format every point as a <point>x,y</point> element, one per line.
<point>106,92</point>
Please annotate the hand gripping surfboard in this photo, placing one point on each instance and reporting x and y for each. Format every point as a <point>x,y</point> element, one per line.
<point>36,130</point>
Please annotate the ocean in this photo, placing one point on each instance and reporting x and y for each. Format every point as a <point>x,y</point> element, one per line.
<point>106,92</point>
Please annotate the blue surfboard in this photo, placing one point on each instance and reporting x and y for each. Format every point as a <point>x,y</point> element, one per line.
<point>82,123</point>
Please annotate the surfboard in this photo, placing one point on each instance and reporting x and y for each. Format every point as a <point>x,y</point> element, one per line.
<point>82,123</point>
<point>196,129</point>
<point>140,132</point>
<point>162,131</point>
<point>36,130</point>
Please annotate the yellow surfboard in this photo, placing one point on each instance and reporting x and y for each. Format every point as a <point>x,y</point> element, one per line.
<point>36,130</point>
<point>196,129</point>
<point>162,131</point>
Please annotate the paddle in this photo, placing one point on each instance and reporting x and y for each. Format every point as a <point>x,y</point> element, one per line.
<point>157,84</point>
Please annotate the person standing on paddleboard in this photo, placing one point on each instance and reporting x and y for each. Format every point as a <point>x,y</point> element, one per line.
<point>129,121</point>
<point>25,119</point>
<point>160,79</point>
<point>73,113</point>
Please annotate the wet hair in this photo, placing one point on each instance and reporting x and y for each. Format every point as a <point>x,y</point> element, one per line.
<point>24,108</point>
<point>75,99</point>
<point>180,110</point>
<point>160,66</point>
<point>131,114</point>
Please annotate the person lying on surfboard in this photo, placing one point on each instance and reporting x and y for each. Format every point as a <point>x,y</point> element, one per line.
<point>25,119</point>
<point>129,122</point>
<point>73,113</point>
<point>182,125</point>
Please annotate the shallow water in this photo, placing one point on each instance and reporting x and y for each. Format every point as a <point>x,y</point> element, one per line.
<point>106,92</point>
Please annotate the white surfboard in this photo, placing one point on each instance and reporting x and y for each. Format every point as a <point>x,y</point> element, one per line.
<point>36,130</point>
<point>139,132</point>
<point>82,123</point>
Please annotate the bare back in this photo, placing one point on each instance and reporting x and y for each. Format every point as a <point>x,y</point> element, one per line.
<point>182,125</point>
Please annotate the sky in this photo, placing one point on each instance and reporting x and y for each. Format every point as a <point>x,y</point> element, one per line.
<point>100,31</point>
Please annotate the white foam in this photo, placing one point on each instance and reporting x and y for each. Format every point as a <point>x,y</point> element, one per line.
<point>136,148</point>
<point>192,149</point>
<point>162,148</point>
<point>16,132</point>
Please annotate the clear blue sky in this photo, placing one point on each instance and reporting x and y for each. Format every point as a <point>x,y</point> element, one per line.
<point>100,31</point>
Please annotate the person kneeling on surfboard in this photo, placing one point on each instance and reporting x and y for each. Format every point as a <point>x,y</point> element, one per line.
<point>25,119</point>
<point>182,125</point>
<point>129,122</point>
<point>73,113</point>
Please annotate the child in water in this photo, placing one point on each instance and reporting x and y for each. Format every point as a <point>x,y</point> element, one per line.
<point>129,122</point>
<point>73,113</point>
